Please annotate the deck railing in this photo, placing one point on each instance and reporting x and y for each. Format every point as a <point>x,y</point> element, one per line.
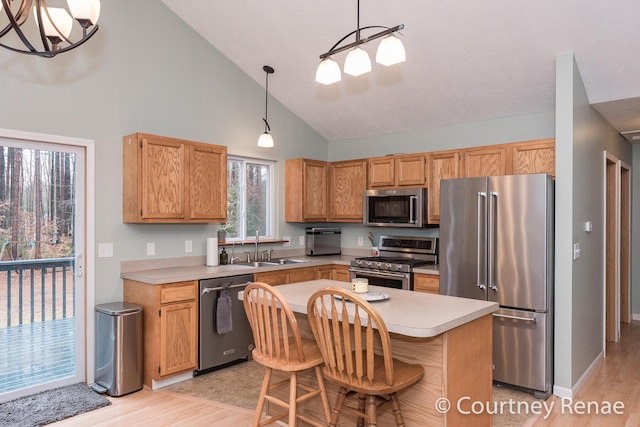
<point>36,290</point>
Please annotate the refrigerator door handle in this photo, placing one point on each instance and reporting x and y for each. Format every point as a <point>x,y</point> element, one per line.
<point>491,258</point>
<point>482,196</point>
<point>524,319</point>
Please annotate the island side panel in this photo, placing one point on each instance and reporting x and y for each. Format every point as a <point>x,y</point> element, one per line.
<point>468,371</point>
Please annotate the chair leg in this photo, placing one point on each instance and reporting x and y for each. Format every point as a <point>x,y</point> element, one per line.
<point>395,407</point>
<point>337,408</point>
<point>261,398</point>
<point>323,393</point>
<point>362,399</point>
<point>372,415</point>
<point>293,396</point>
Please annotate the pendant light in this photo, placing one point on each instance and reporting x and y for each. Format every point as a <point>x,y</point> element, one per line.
<point>390,51</point>
<point>266,140</point>
<point>50,27</point>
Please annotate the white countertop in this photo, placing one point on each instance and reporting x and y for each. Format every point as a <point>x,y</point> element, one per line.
<point>414,314</point>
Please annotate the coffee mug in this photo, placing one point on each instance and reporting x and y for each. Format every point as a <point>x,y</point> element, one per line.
<point>360,285</point>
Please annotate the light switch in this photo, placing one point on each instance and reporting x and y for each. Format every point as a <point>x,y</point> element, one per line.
<point>576,250</point>
<point>105,250</point>
<point>301,241</point>
<point>151,249</point>
<point>588,226</point>
<point>188,246</point>
<point>360,241</point>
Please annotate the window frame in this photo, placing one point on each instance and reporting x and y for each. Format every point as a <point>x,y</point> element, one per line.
<point>270,198</point>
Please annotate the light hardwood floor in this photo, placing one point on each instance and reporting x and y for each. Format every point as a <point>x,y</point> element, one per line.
<point>616,378</point>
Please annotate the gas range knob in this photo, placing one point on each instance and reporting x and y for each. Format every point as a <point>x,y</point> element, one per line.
<point>358,262</point>
<point>369,263</point>
<point>387,266</point>
<point>378,264</point>
<point>398,266</point>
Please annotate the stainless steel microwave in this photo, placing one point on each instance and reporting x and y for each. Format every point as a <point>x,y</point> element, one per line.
<point>397,207</point>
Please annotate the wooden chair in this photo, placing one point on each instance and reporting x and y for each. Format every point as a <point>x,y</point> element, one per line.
<point>280,347</point>
<point>349,358</point>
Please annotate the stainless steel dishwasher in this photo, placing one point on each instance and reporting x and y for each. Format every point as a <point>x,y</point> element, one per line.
<point>217,350</point>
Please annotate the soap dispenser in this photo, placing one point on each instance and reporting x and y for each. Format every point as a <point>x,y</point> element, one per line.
<point>224,257</point>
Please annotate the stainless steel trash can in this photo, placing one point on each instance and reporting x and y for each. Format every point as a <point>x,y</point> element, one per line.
<point>119,332</point>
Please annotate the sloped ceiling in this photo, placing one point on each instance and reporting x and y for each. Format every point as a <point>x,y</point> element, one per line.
<point>467,60</point>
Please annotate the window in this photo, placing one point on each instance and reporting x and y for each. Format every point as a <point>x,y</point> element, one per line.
<point>250,206</point>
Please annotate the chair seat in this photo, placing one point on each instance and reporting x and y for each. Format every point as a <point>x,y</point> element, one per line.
<point>312,357</point>
<point>404,374</point>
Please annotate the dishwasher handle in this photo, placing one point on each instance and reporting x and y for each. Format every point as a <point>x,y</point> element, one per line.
<point>219,288</point>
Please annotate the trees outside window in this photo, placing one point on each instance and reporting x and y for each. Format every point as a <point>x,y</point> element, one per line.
<point>250,198</point>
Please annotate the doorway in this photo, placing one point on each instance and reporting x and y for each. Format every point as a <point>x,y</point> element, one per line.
<point>617,244</point>
<point>43,286</point>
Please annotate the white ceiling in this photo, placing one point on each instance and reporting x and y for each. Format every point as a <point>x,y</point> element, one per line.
<point>467,60</point>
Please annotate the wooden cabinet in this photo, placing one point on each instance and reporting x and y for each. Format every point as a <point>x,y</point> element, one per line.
<point>429,283</point>
<point>169,180</point>
<point>347,182</point>
<point>305,190</point>
<point>534,157</point>
<point>283,277</point>
<point>334,272</point>
<point>486,161</point>
<point>397,171</point>
<point>170,314</point>
<point>442,165</point>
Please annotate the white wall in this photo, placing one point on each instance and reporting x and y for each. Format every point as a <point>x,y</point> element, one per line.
<point>146,71</point>
<point>581,137</point>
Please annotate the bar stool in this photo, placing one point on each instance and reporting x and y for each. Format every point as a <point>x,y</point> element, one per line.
<point>349,359</point>
<point>280,347</point>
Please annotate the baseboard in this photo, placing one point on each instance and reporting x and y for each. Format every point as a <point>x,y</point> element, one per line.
<point>568,393</point>
<point>172,380</point>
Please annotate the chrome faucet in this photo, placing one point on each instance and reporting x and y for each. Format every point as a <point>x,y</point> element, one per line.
<point>255,256</point>
<point>233,259</point>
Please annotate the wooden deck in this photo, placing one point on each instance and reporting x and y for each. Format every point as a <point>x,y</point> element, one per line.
<point>36,353</point>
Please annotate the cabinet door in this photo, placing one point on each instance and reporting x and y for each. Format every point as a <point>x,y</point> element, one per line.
<point>486,161</point>
<point>428,283</point>
<point>442,165</point>
<point>535,157</point>
<point>208,182</point>
<point>273,278</point>
<point>162,178</point>
<point>315,190</point>
<point>347,182</point>
<point>381,171</point>
<point>178,337</point>
<point>410,170</point>
<point>341,273</point>
<point>302,274</point>
<point>325,272</point>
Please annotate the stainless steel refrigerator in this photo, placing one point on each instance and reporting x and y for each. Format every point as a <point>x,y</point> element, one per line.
<point>496,244</point>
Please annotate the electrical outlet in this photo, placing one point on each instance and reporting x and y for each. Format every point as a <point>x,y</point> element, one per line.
<point>301,241</point>
<point>105,250</point>
<point>287,241</point>
<point>188,246</point>
<point>151,249</point>
<point>360,241</point>
<point>576,250</point>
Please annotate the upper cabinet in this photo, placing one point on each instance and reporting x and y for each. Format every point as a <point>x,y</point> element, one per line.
<point>535,157</point>
<point>347,182</point>
<point>397,171</point>
<point>442,165</point>
<point>169,180</point>
<point>305,190</point>
<point>485,161</point>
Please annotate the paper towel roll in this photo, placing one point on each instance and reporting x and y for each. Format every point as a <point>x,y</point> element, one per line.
<point>212,251</point>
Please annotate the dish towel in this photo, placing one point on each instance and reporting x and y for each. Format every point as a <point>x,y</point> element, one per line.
<point>224,316</point>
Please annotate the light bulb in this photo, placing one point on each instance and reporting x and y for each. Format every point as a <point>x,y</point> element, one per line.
<point>328,72</point>
<point>390,51</point>
<point>85,10</point>
<point>60,17</point>
<point>357,62</point>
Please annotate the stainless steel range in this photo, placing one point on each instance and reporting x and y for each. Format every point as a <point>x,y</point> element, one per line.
<point>399,255</point>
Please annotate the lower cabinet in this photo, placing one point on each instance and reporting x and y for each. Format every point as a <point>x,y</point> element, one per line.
<point>170,314</point>
<point>334,272</point>
<point>428,283</point>
<point>283,277</point>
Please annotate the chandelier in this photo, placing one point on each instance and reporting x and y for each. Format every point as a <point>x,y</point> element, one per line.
<point>50,27</point>
<point>390,51</point>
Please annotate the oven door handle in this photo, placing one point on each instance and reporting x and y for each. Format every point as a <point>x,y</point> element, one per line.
<point>380,274</point>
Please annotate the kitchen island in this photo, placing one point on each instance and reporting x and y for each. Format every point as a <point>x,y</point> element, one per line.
<point>450,337</point>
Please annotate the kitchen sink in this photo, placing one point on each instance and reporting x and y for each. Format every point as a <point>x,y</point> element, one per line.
<point>289,261</point>
<point>258,263</point>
